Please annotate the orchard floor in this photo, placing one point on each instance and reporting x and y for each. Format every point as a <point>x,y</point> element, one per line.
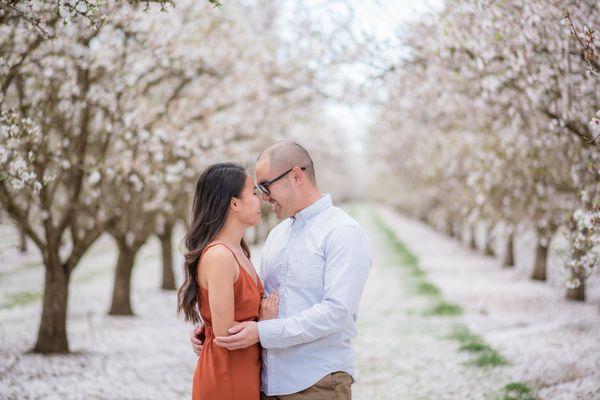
<point>416,315</point>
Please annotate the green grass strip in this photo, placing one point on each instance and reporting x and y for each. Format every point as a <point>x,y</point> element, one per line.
<point>427,289</point>
<point>401,253</point>
<point>418,283</point>
<point>483,354</point>
<point>516,391</point>
<point>444,308</point>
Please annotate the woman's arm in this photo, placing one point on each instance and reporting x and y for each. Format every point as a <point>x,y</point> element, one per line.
<point>220,271</point>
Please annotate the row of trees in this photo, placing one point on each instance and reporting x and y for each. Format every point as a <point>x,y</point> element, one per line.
<point>492,117</point>
<point>109,111</point>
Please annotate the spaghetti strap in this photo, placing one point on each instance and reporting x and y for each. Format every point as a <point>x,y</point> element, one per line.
<point>208,246</point>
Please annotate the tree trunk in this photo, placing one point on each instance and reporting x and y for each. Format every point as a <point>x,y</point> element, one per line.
<point>541,259</point>
<point>450,231</point>
<point>52,335</point>
<point>121,300</point>
<point>509,254</point>
<point>166,243</point>
<point>22,241</point>
<point>489,242</point>
<point>473,240</point>
<point>578,293</point>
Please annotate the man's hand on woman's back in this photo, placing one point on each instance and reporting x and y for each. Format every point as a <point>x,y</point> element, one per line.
<point>197,338</point>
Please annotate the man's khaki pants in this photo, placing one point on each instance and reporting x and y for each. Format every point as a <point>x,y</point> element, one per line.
<point>335,386</point>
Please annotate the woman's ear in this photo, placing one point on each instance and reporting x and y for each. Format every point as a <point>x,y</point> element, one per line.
<point>234,204</point>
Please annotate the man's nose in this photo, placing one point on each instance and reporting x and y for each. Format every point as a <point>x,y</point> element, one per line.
<point>264,197</point>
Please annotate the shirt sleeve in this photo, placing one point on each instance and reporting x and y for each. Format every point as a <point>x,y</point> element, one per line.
<point>348,260</point>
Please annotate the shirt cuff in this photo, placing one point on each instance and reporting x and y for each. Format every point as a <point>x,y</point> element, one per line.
<point>270,332</point>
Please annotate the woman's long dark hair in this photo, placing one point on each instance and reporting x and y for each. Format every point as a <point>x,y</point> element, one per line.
<point>214,190</point>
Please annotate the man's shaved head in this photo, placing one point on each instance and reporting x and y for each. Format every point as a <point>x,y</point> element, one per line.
<point>287,154</point>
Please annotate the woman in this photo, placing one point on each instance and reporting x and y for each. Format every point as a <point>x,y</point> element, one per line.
<point>221,282</point>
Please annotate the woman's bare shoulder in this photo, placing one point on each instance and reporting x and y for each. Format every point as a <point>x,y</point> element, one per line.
<point>218,258</point>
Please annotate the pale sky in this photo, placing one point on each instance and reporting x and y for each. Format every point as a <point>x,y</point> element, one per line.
<point>380,19</point>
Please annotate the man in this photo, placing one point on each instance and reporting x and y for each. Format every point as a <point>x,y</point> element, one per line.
<point>318,259</point>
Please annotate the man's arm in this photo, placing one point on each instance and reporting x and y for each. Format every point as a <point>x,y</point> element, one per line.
<point>348,260</point>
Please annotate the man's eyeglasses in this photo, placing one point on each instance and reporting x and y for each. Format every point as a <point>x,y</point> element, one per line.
<point>263,187</point>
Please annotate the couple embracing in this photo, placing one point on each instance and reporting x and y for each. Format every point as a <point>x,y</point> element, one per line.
<point>286,334</point>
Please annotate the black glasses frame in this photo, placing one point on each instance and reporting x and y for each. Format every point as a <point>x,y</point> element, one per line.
<point>263,187</point>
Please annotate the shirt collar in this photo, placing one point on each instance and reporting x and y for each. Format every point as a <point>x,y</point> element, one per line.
<point>315,208</point>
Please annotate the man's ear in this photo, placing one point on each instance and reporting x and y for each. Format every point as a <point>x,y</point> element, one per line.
<point>297,174</point>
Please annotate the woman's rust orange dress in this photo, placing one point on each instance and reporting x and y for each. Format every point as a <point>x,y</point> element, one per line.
<point>223,374</point>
